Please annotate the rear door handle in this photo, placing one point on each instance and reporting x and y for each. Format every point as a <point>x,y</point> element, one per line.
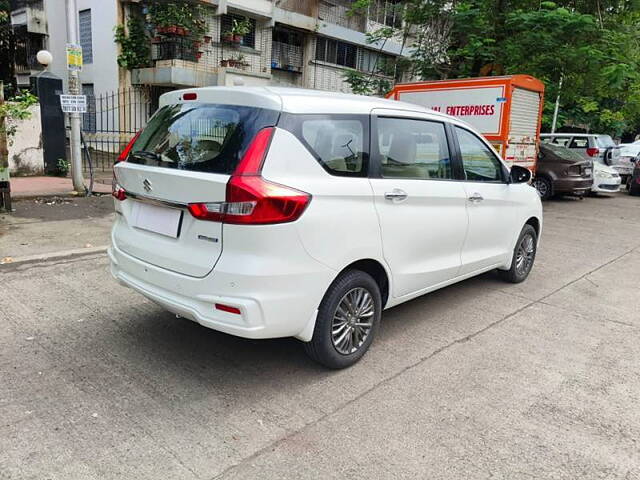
<point>396,195</point>
<point>476,198</point>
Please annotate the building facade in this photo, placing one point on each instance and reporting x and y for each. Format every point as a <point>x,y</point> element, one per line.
<point>299,43</point>
<point>295,43</point>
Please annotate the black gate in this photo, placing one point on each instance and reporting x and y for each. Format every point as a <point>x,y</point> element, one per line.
<point>111,121</point>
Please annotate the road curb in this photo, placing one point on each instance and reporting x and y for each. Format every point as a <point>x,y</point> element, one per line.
<point>29,196</point>
<point>46,257</point>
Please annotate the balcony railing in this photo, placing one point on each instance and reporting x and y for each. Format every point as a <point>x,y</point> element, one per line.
<point>27,47</point>
<point>285,56</point>
<point>174,49</point>
<point>339,13</point>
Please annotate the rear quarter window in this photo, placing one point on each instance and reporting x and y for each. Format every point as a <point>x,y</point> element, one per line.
<point>338,142</point>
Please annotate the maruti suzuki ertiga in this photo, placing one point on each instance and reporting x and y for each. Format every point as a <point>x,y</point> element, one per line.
<point>267,212</point>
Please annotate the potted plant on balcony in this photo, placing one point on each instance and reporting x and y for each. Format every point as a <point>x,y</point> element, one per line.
<point>240,29</point>
<point>224,63</point>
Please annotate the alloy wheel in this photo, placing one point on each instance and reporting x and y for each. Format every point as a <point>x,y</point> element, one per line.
<point>525,255</point>
<point>352,320</point>
<point>542,187</point>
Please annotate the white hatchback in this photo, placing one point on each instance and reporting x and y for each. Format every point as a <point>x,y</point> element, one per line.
<point>268,212</point>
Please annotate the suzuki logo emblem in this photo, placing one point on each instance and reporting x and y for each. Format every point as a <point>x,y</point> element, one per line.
<point>147,185</point>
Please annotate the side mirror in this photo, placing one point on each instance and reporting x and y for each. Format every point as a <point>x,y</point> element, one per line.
<point>519,174</point>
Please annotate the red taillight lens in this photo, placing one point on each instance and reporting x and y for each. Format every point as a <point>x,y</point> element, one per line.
<point>250,199</point>
<point>252,160</point>
<point>127,150</point>
<point>190,96</point>
<point>117,191</point>
<point>227,308</point>
<point>593,152</point>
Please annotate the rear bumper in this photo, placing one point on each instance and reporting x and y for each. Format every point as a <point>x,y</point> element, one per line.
<point>271,306</point>
<point>576,186</point>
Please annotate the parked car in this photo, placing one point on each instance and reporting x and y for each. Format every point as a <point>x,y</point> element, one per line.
<point>599,148</point>
<point>266,212</point>
<point>629,156</point>
<point>605,179</point>
<point>561,171</point>
<point>634,182</point>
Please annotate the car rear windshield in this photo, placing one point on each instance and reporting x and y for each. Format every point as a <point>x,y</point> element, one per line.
<point>562,152</point>
<point>200,137</point>
<point>605,141</point>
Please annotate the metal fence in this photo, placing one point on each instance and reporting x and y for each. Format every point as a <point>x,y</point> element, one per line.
<point>112,120</point>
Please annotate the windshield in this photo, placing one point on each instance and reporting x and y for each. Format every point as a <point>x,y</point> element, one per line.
<point>561,152</point>
<point>199,137</point>
<point>629,150</point>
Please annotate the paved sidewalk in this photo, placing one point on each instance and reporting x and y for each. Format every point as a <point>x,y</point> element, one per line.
<point>55,226</point>
<point>27,187</point>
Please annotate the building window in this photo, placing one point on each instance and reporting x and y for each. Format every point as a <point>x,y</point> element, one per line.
<point>286,50</point>
<point>338,53</point>
<point>89,118</point>
<point>86,41</point>
<point>248,39</point>
<point>386,12</point>
<point>375,62</point>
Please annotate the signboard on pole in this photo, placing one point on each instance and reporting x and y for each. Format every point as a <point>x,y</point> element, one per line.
<point>73,103</point>
<point>74,57</point>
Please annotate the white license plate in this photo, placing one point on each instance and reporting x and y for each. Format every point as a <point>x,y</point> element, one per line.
<point>153,218</point>
<point>587,171</point>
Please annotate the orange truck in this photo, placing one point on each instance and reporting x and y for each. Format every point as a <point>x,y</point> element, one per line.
<point>506,110</point>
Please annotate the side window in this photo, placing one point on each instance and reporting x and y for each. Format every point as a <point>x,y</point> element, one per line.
<point>413,149</point>
<point>478,161</point>
<point>562,141</point>
<point>339,144</point>
<point>579,142</point>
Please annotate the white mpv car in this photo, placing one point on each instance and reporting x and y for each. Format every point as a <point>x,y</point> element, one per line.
<point>267,212</point>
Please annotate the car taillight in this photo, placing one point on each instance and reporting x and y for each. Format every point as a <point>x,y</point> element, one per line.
<point>250,199</point>
<point>593,152</point>
<point>117,191</point>
<point>127,150</point>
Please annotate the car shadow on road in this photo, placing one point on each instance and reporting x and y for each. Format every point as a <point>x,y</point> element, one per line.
<point>166,350</point>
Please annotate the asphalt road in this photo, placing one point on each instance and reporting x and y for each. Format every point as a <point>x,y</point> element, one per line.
<point>479,380</point>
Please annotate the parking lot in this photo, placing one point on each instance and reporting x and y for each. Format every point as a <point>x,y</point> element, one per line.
<point>482,379</point>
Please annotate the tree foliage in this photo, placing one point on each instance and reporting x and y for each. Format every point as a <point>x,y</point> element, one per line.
<point>593,45</point>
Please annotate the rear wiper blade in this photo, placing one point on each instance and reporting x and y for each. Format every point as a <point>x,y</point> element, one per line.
<point>146,155</point>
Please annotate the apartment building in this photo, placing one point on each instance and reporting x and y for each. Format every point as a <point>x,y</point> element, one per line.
<point>297,43</point>
<point>301,43</point>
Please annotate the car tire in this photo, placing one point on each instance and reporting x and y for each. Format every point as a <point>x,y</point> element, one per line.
<point>634,191</point>
<point>544,187</point>
<point>352,300</point>
<point>524,255</point>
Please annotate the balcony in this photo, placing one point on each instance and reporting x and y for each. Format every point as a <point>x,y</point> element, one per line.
<point>338,13</point>
<point>29,13</point>
<point>27,46</point>
<point>308,8</point>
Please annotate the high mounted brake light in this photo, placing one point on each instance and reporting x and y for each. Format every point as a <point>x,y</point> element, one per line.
<point>250,199</point>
